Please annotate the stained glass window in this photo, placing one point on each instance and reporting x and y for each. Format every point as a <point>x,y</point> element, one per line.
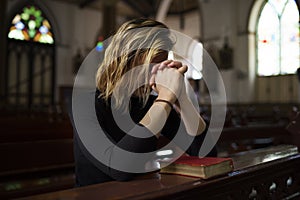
<point>31,25</point>
<point>99,45</point>
<point>278,38</point>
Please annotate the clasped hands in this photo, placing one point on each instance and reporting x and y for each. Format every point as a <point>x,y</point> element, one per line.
<point>167,79</point>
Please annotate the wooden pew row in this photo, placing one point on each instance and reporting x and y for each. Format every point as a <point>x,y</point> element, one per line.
<point>256,113</point>
<point>276,178</point>
<point>21,129</point>
<point>30,134</point>
<point>251,126</point>
<point>236,139</point>
<point>36,167</point>
<point>38,155</point>
<point>34,156</point>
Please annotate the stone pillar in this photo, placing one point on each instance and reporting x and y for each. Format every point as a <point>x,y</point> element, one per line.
<point>163,10</point>
<point>109,18</point>
<point>3,42</point>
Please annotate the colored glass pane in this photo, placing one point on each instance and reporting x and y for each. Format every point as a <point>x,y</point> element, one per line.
<point>99,45</point>
<point>31,25</point>
<point>290,39</point>
<point>278,38</point>
<point>267,47</point>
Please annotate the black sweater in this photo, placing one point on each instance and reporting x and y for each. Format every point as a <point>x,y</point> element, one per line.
<point>89,171</point>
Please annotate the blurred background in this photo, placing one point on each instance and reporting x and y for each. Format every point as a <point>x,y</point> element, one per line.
<point>254,43</point>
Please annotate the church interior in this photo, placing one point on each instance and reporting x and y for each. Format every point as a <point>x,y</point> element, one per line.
<point>254,45</point>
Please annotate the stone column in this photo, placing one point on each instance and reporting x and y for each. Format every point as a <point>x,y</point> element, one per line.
<point>3,42</point>
<point>109,18</point>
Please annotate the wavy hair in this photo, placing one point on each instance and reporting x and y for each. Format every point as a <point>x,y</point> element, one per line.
<point>136,43</point>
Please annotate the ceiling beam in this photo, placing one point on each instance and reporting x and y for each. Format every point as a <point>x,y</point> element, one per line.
<point>163,10</point>
<point>85,3</point>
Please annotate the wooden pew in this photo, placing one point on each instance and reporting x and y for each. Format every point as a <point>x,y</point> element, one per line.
<point>255,113</point>
<point>39,145</point>
<point>251,126</point>
<point>38,154</point>
<point>275,178</point>
<point>236,139</point>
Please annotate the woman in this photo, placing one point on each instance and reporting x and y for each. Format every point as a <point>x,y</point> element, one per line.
<point>135,64</point>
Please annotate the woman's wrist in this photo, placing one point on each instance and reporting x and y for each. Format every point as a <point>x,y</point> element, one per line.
<point>164,101</point>
<point>169,98</point>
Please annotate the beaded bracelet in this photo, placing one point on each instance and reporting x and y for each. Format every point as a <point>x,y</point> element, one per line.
<point>165,101</point>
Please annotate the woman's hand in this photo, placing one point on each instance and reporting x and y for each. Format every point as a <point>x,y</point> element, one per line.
<point>155,68</point>
<point>167,79</point>
<point>182,69</point>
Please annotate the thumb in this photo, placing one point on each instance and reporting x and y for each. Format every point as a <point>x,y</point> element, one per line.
<point>183,69</point>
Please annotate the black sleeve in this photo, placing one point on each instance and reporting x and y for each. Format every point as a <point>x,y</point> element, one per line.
<point>128,141</point>
<point>132,144</point>
<point>90,170</point>
<point>172,127</point>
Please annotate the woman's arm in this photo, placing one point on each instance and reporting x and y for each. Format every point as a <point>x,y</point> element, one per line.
<point>168,84</point>
<point>156,117</point>
<point>193,122</point>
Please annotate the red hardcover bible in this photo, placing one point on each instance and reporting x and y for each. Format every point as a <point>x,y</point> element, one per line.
<point>205,168</point>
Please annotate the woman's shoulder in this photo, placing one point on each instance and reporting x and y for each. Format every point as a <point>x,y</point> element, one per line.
<point>100,102</point>
<point>97,93</point>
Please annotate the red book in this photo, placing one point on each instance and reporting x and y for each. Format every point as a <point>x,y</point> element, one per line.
<point>205,168</point>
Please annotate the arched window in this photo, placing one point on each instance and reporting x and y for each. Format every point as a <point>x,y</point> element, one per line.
<point>31,25</point>
<point>277,38</point>
<point>30,68</point>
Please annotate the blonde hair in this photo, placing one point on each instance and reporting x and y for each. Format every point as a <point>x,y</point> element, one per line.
<point>136,43</point>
